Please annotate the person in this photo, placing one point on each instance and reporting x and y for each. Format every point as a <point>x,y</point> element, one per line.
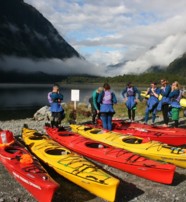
<point>95,106</point>
<point>152,102</point>
<point>55,98</point>
<point>164,102</point>
<point>175,96</point>
<point>131,97</point>
<point>106,99</point>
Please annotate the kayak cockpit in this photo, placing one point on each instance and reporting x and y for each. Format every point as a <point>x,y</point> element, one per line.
<point>66,134</point>
<point>57,152</point>
<point>95,145</point>
<point>133,140</point>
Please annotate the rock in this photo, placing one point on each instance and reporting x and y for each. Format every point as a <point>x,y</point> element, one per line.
<point>43,114</point>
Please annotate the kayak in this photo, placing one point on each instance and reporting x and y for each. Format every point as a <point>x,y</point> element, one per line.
<point>171,136</point>
<point>142,146</point>
<point>71,165</point>
<point>26,169</point>
<point>115,157</point>
<point>182,100</point>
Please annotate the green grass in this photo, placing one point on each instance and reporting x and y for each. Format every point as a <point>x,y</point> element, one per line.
<point>83,112</point>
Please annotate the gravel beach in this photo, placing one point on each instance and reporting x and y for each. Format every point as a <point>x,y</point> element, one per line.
<point>132,188</point>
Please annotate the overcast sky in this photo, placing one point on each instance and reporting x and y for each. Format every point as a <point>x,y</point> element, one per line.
<point>140,33</point>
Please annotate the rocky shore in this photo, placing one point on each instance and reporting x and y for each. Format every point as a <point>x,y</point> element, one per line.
<point>132,188</point>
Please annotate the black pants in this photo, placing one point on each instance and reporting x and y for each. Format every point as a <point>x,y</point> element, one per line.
<point>176,123</point>
<point>94,115</point>
<point>57,117</point>
<point>94,111</point>
<point>131,114</point>
<point>165,110</point>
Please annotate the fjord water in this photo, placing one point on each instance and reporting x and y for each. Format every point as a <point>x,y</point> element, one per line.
<point>22,100</point>
<point>35,95</point>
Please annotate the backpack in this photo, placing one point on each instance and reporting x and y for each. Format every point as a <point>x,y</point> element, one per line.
<point>49,98</point>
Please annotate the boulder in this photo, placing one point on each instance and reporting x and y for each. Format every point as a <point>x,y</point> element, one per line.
<point>43,114</point>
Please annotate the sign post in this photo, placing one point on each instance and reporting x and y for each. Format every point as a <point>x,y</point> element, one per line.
<point>75,96</point>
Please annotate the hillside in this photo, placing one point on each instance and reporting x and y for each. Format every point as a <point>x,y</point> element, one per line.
<point>178,66</point>
<point>25,32</point>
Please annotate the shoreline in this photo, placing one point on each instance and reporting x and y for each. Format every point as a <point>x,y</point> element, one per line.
<point>133,188</point>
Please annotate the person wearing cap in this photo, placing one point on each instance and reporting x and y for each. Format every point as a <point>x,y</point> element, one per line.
<point>95,106</point>
<point>107,99</point>
<point>152,102</point>
<point>164,102</point>
<point>131,97</point>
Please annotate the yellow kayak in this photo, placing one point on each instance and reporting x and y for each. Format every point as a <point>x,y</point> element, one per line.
<point>70,165</point>
<point>142,146</point>
<point>144,95</point>
<point>182,101</point>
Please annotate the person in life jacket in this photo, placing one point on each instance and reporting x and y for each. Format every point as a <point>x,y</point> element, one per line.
<point>107,99</point>
<point>131,97</point>
<point>152,102</point>
<point>95,106</point>
<point>175,97</point>
<point>55,98</point>
<point>164,102</point>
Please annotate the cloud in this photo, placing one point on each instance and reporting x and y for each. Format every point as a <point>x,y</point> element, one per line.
<point>51,66</point>
<point>161,55</point>
<point>109,32</point>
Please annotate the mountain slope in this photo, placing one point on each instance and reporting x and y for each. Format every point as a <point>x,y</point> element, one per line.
<point>25,32</point>
<point>178,66</point>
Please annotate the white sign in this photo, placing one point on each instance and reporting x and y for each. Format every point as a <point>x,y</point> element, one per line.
<point>74,95</point>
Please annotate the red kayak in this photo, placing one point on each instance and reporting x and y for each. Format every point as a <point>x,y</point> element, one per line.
<point>115,157</point>
<point>25,168</point>
<point>171,136</point>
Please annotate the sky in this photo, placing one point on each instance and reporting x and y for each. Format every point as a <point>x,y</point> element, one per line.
<point>136,34</point>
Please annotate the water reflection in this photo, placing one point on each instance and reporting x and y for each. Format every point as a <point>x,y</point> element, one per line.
<point>32,95</point>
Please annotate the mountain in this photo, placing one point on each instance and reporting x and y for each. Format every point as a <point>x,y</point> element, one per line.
<point>25,32</point>
<point>178,66</point>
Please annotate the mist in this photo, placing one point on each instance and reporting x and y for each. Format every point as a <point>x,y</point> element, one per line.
<point>72,66</point>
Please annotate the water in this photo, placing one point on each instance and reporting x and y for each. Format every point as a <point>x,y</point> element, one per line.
<point>14,96</point>
<point>23,100</point>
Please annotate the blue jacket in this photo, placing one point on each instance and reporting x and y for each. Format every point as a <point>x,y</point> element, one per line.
<point>55,106</point>
<point>130,103</point>
<point>107,108</point>
<point>153,100</point>
<point>175,97</point>
<point>165,97</point>
<point>131,94</point>
<point>134,92</point>
<point>165,94</point>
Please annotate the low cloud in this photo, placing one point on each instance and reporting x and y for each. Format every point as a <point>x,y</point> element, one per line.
<point>51,66</point>
<point>161,55</point>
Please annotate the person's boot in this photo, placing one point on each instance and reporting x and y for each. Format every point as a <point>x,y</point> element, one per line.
<point>52,124</point>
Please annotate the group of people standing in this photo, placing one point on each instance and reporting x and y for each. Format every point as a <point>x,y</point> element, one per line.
<point>103,99</point>
<point>165,98</point>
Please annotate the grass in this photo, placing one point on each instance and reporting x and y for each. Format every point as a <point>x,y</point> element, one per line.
<point>83,112</point>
